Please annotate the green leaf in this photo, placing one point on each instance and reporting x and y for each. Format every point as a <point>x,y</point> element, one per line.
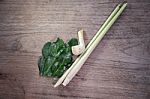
<point>73,42</point>
<point>60,44</point>
<point>59,71</point>
<point>55,66</point>
<point>41,63</point>
<point>53,49</point>
<point>56,57</point>
<point>45,50</point>
<point>48,64</point>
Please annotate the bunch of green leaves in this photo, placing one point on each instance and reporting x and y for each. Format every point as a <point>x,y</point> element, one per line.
<point>56,57</point>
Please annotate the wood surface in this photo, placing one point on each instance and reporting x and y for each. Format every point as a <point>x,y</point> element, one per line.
<point>119,67</point>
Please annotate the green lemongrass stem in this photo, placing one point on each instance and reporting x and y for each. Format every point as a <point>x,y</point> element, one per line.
<point>61,79</point>
<point>92,47</point>
<point>106,22</point>
<point>104,25</point>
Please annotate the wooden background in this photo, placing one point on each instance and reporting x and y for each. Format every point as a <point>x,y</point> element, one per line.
<point>119,68</point>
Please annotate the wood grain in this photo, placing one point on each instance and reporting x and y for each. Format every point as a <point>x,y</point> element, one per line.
<point>119,68</point>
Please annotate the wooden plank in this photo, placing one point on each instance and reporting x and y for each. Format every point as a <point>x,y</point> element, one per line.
<point>119,67</point>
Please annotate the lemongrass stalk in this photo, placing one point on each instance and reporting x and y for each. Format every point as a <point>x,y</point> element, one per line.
<point>96,35</point>
<point>61,79</point>
<point>106,22</point>
<point>79,64</point>
<point>104,25</point>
